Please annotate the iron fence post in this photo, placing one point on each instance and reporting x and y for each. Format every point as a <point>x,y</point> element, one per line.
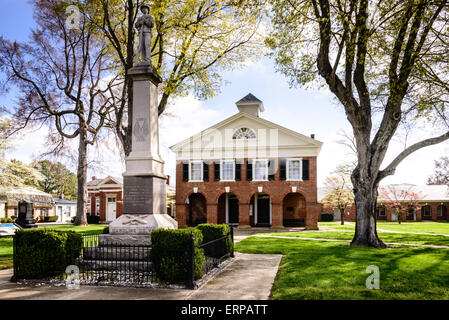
<point>191,278</point>
<point>232,240</point>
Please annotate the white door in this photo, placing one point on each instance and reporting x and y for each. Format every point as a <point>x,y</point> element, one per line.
<point>60,213</point>
<point>110,209</point>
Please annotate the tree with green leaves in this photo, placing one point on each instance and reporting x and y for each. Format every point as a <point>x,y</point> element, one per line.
<point>193,42</point>
<point>386,63</point>
<point>57,179</point>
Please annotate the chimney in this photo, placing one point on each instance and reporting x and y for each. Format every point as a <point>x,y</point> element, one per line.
<point>168,179</point>
<point>94,178</point>
<point>312,135</point>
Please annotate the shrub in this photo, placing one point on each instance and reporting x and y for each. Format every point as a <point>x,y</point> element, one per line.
<point>327,217</point>
<point>170,254</point>
<point>8,220</point>
<point>2,220</point>
<point>42,253</point>
<point>214,231</point>
<point>13,217</point>
<point>93,219</point>
<point>106,230</point>
<point>48,218</point>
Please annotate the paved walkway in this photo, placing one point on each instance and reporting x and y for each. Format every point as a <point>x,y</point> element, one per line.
<point>248,276</point>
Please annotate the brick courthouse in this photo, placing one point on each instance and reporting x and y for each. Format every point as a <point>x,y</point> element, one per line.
<point>247,171</point>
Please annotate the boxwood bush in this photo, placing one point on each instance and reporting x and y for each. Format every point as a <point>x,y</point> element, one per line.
<point>48,218</point>
<point>327,217</point>
<point>212,232</point>
<point>93,219</point>
<point>42,253</point>
<point>170,254</point>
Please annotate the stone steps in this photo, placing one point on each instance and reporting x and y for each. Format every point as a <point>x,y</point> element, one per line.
<point>113,253</point>
<point>124,240</point>
<point>128,265</point>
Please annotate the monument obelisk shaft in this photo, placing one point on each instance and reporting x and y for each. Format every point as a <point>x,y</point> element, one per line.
<point>144,181</point>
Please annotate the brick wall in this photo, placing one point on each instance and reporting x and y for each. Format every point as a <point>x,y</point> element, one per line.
<point>244,190</point>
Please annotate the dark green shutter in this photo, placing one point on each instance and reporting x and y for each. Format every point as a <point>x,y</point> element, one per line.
<point>206,171</point>
<point>216,171</point>
<point>238,171</point>
<point>185,171</point>
<point>305,169</point>
<point>282,169</point>
<point>249,170</point>
<point>271,170</point>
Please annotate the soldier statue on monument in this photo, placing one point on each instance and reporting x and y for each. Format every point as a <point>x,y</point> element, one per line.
<point>144,24</point>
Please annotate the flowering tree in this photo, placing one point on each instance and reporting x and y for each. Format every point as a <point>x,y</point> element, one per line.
<point>399,198</point>
<point>338,188</point>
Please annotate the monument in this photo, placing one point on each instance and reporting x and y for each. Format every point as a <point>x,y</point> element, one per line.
<point>26,215</point>
<point>144,181</point>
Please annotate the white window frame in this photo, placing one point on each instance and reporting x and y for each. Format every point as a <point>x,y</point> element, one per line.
<point>190,171</point>
<point>300,169</point>
<point>233,170</point>
<point>383,209</point>
<point>97,205</point>
<point>254,169</point>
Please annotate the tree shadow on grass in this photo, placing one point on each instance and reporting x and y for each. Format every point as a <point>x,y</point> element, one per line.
<point>325,270</point>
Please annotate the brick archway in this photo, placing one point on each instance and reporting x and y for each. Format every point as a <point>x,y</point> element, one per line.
<point>294,210</point>
<point>187,195</point>
<point>228,208</point>
<point>196,209</point>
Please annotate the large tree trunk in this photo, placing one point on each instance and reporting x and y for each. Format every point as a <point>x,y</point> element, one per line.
<point>365,194</point>
<point>81,219</point>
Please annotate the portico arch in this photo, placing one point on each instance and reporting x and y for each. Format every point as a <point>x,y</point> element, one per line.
<point>294,210</point>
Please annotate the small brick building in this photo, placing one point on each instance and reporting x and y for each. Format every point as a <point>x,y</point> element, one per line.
<point>432,204</point>
<point>247,171</point>
<point>105,198</point>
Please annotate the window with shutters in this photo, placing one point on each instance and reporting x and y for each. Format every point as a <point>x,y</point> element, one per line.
<point>227,170</point>
<point>260,168</point>
<point>196,171</point>
<point>294,169</point>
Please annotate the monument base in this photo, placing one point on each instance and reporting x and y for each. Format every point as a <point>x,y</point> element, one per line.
<point>135,229</point>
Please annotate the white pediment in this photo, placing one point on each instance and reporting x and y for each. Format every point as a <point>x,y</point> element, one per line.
<point>271,141</point>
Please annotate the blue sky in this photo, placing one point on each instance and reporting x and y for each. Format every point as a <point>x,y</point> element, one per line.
<point>305,111</point>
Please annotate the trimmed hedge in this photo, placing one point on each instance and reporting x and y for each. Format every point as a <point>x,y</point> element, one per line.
<point>6,220</point>
<point>42,253</point>
<point>93,219</point>
<point>214,231</point>
<point>48,218</point>
<point>170,254</point>
<point>327,217</point>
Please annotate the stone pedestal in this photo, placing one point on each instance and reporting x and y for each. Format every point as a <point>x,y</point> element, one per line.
<point>144,182</point>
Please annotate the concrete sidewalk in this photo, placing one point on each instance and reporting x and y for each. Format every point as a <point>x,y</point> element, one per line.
<point>248,276</point>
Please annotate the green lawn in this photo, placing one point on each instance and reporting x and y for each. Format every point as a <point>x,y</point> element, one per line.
<point>384,236</point>
<point>93,228</point>
<point>424,227</point>
<point>6,250</point>
<point>333,270</point>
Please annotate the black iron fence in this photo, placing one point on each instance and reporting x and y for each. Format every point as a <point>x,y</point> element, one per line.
<point>100,262</point>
